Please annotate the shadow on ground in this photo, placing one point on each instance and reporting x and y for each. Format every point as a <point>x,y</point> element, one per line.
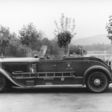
<point>49,90</point>
<point>54,90</point>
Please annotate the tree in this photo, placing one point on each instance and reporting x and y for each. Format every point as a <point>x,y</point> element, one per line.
<point>109,28</point>
<point>5,37</point>
<point>65,33</point>
<point>55,51</point>
<point>30,37</point>
<point>46,41</point>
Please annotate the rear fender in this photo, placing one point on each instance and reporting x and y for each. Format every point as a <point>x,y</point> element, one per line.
<point>7,75</point>
<point>96,68</point>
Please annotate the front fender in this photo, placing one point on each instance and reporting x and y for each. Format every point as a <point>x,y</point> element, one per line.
<point>8,76</point>
<point>96,68</point>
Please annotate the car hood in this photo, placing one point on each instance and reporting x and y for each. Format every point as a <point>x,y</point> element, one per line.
<point>19,59</point>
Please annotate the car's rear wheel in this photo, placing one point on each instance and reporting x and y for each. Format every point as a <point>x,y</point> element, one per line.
<point>2,83</point>
<point>97,82</point>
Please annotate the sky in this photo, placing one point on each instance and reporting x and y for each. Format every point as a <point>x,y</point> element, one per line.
<point>90,16</point>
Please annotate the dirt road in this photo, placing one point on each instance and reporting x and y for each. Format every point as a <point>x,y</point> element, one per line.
<point>56,100</point>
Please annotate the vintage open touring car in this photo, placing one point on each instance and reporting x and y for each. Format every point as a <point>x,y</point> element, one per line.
<point>37,72</point>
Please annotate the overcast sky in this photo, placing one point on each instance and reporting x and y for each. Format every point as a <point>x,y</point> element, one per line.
<point>90,16</point>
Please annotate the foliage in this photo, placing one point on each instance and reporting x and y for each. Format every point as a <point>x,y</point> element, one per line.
<point>53,48</point>
<point>30,41</point>
<point>4,39</point>
<point>29,36</point>
<point>46,42</point>
<point>24,45</point>
<point>18,46</point>
<point>65,33</point>
<point>64,38</point>
<point>15,48</point>
<point>109,28</point>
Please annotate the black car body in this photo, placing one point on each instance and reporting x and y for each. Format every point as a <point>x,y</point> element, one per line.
<point>37,72</point>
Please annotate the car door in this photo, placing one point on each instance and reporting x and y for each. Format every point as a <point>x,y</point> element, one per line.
<point>62,66</point>
<point>72,65</point>
<point>69,69</point>
<point>79,65</point>
<point>76,66</point>
<point>46,66</point>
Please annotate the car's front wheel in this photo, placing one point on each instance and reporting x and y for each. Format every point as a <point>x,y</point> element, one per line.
<point>97,82</point>
<point>2,83</point>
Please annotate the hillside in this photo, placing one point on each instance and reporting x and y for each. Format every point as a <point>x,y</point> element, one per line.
<point>92,40</point>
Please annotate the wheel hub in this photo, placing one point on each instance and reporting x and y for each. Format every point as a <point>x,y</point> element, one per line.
<point>97,82</point>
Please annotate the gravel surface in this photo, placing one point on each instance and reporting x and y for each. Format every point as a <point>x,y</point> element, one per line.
<point>56,100</point>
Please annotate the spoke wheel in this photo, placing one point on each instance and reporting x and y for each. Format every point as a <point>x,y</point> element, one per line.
<point>97,82</point>
<point>2,83</point>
